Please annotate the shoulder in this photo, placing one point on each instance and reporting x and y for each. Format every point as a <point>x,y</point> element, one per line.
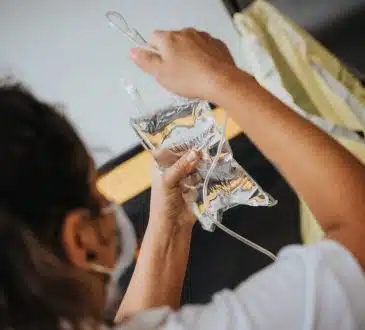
<point>315,284</point>
<point>326,254</point>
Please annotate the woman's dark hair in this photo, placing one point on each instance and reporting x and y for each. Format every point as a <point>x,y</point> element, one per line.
<point>44,174</point>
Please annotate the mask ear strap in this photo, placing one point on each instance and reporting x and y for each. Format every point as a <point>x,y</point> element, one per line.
<point>128,239</point>
<point>101,269</point>
<point>104,211</point>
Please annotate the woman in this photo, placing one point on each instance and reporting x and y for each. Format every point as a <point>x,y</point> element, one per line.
<point>57,233</point>
<point>57,239</point>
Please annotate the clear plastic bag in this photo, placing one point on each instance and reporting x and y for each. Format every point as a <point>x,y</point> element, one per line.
<point>219,182</point>
<point>190,125</point>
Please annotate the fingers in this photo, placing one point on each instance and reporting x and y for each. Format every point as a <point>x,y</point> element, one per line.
<point>192,180</point>
<point>160,38</point>
<point>163,42</point>
<point>145,59</point>
<point>165,157</point>
<point>181,168</point>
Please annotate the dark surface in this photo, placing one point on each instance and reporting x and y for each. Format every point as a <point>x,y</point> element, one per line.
<point>217,260</point>
<point>346,39</point>
<point>337,24</point>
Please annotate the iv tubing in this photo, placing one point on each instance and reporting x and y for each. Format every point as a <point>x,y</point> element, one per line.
<point>206,201</point>
<point>118,21</point>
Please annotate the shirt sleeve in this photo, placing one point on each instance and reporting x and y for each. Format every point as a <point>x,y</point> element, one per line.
<point>320,286</point>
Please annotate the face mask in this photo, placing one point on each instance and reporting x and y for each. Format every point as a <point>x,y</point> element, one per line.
<point>126,247</point>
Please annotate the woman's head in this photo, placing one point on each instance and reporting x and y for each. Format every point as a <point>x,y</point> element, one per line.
<point>49,203</point>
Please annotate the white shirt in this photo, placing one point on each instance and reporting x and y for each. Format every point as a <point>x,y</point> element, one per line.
<point>319,286</point>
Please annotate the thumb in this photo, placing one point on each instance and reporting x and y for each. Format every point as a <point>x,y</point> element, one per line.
<point>178,171</point>
<point>148,61</point>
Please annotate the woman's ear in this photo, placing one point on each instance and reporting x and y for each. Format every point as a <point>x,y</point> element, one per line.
<point>79,239</point>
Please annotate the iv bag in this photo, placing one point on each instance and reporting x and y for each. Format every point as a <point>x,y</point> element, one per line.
<point>186,125</point>
<point>182,125</point>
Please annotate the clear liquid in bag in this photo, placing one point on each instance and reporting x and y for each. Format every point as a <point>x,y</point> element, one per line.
<point>180,127</point>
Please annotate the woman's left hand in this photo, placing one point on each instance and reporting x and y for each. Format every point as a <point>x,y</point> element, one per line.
<point>169,209</point>
<point>160,270</point>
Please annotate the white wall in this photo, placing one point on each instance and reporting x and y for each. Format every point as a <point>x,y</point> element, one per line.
<point>66,52</point>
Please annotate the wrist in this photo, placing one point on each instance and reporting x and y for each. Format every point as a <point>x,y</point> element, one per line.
<point>166,230</point>
<point>165,242</point>
<point>225,80</point>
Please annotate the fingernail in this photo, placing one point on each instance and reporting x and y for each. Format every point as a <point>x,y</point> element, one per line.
<point>191,156</point>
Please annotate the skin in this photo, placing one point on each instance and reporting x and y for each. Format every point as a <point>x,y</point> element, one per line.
<point>165,249</point>
<point>170,218</point>
<point>328,177</point>
<point>84,235</point>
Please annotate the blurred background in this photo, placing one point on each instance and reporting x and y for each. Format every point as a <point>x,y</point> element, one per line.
<point>67,53</point>
<point>338,24</point>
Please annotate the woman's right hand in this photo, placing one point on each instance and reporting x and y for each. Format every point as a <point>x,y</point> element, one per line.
<point>189,63</point>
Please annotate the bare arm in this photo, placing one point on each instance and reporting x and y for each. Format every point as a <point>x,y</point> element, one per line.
<point>159,274</point>
<point>326,175</point>
<point>158,277</point>
<point>329,178</point>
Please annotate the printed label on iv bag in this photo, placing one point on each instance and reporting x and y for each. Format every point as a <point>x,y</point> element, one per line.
<point>173,131</point>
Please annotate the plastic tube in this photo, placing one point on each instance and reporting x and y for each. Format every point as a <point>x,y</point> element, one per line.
<point>117,20</point>
<point>207,205</point>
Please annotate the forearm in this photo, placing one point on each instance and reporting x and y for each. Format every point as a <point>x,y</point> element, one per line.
<point>160,270</point>
<point>326,175</point>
